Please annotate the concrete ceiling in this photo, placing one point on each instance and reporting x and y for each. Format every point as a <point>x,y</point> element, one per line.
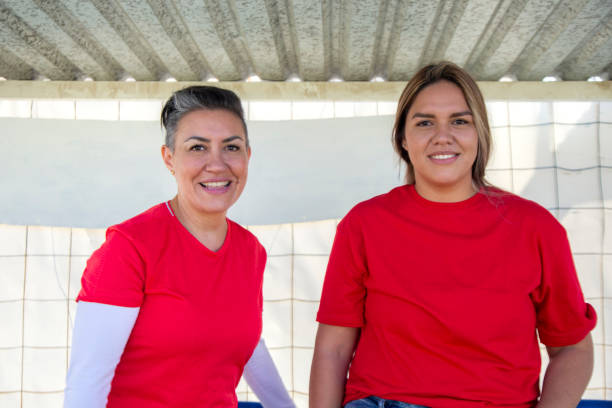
<point>315,40</point>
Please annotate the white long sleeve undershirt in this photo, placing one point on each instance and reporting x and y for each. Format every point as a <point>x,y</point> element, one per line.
<point>99,338</point>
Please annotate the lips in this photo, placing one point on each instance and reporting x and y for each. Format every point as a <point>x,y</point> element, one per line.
<point>443,157</point>
<point>219,186</point>
<point>215,184</point>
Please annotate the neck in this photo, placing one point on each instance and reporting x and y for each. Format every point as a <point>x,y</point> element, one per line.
<point>209,229</point>
<point>442,194</point>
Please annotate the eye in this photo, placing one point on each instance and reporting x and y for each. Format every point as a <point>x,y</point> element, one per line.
<point>233,148</point>
<point>197,148</point>
<point>424,123</point>
<point>460,121</point>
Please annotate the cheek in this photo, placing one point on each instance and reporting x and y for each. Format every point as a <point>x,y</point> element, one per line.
<point>188,165</point>
<point>468,140</point>
<point>473,151</point>
<point>474,143</point>
<point>414,146</point>
<point>240,165</point>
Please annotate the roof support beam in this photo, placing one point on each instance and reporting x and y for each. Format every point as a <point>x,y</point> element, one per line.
<point>79,34</point>
<point>282,24</point>
<point>448,15</point>
<point>494,35</point>
<point>559,18</point>
<point>129,33</point>
<point>336,26</point>
<point>223,16</point>
<point>581,54</point>
<point>173,24</point>
<point>29,36</point>
<point>13,67</point>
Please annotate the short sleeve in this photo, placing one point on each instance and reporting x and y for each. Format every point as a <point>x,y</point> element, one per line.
<point>344,292</point>
<point>114,274</point>
<point>261,266</point>
<point>563,316</point>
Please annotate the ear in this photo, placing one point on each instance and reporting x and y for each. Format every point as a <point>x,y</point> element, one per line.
<point>404,139</point>
<point>168,158</point>
<point>249,152</point>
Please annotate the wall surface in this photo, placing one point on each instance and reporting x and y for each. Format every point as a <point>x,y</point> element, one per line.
<point>97,173</point>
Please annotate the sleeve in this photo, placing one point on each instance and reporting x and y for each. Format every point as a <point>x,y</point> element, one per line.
<point>344,291</point>
<point>98,340</point>
<point>563,316</point>
<point>114,274</point>
<point>261,262</point>
<point>261,375</point>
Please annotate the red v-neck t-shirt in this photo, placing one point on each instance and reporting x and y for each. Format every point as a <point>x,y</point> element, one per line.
<point>200,311</point>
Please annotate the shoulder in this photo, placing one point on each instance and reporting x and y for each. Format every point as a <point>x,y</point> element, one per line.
<point>521,209</point>
<point>368,214</point>
<point>144,224</point>
<point>247,246</point>
<point>244,237</point>
<point>147,230</point>
<point>382,202</point>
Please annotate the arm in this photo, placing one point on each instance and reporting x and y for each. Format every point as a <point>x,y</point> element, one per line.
<point>567,375</point>
<point>333,352</point>
<point>98,339</point>
<point>261,375</point>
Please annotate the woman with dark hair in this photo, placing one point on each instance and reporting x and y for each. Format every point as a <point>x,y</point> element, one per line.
<point>170,310</point>
<point>436,293</point>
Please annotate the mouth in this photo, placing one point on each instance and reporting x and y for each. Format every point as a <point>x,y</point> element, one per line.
<point>216,186</point>
<point>443,157</point>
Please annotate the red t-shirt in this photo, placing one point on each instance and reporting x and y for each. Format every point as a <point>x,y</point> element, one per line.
<point>200,311</point>
<point>448,297</point>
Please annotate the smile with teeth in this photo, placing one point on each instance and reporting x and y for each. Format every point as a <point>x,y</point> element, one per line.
<point>443,156</point>
<point>215,184</point>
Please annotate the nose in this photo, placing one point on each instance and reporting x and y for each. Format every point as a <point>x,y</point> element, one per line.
<point>443,135</point>
<point>214,161</point>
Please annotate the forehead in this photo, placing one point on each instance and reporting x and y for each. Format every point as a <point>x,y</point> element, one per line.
<point>441,95</point>
<point>210,122</point>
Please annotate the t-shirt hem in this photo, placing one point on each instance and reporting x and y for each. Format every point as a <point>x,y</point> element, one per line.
<point>575,336</point>
<point>339,322</point>
<point>553,340</point>
<point>109,301</point>
<point>447,402</point>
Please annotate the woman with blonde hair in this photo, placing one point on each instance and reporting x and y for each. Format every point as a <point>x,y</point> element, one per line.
<point>437,292</point>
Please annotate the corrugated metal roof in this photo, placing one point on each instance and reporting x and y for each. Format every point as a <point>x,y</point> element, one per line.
<point>314,40</point>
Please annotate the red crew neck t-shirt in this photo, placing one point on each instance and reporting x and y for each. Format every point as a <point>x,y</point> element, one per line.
<point>200,311</point>
<point>451,298</point>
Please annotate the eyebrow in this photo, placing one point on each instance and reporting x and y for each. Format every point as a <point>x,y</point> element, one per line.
<point>205,140</point>
<point>428,115</point>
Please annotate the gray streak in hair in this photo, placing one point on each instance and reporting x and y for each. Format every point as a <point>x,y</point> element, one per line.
<point>195,98</point>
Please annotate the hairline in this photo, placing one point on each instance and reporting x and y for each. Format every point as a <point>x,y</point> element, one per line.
<point>457,76</point>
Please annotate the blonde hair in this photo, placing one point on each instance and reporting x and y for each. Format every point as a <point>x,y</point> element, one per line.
<point>431,74</point>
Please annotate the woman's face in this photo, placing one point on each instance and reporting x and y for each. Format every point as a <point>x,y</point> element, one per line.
<point>210,160</point>
<point>442,143</point>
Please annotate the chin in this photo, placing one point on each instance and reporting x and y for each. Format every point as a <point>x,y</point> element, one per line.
<point>213,209</point>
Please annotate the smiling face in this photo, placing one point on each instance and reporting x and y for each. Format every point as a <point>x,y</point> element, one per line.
<point>442,143</point>
<point>210,161</point>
